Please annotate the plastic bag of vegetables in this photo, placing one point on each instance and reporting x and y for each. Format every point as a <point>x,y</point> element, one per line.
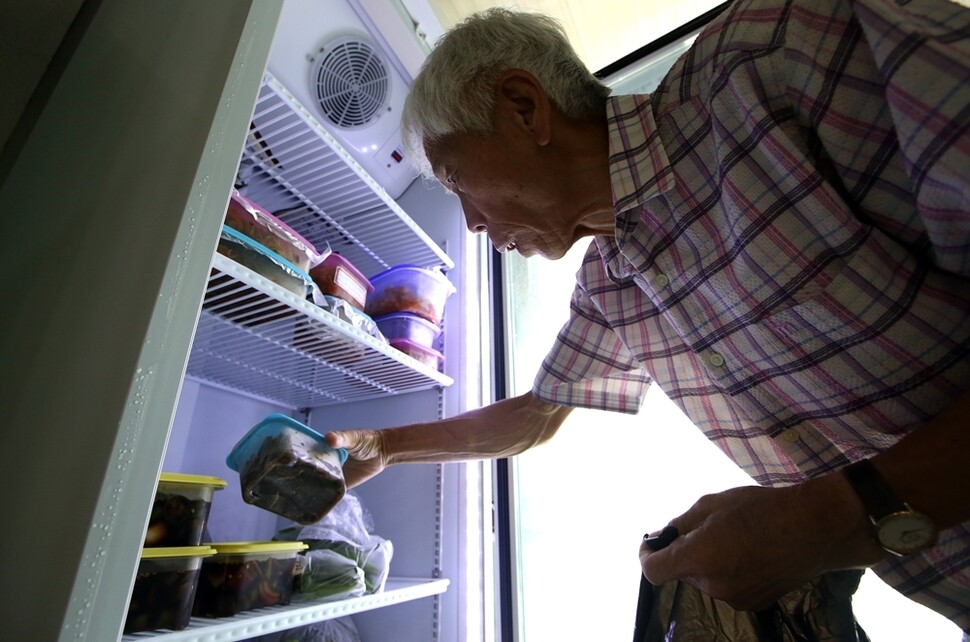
<point>344,558</point>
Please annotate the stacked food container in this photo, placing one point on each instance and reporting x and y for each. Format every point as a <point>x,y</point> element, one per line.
<point>246,575</point>
<point>406,301</point>
<point>407,304</point>
<point>255,238</point>
<point>168,573</point>
<point>181,575</point>
<point>403,304</point>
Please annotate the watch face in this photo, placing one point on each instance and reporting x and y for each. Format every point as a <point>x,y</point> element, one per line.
<point>906,532</point>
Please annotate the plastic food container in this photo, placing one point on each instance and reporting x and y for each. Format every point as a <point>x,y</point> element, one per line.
<point>405,325</point>
<point>181,509</point>
<point>254,222</point>
<point>407,288</point>
<point>262,260</point>
<point>428,356</point>
<point>287,468</point>
<point>165,588</point>
<point>338,277</point>
<point>246,575</point>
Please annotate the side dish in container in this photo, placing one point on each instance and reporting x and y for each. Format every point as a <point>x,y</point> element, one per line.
<point>181,509</point>
<point>287,468</point>
<point>165,587</point>
<point>246,575</point>
<point>409,288</point>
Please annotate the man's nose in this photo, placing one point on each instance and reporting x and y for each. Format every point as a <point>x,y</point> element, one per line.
<point>473,219</point>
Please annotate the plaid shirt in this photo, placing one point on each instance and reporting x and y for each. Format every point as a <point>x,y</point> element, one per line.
<point>791,261</point>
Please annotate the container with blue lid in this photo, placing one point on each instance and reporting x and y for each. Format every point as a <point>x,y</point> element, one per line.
<point>287,468</point>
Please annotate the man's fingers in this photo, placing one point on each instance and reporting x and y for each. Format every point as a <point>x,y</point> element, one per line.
<point>336,440</point>
<point>353,440</point>
<point>360,444</point>
<point>663,565</point>
<point>661,540</point>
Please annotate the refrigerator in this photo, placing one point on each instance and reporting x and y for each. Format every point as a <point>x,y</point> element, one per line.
<point>130,347</point>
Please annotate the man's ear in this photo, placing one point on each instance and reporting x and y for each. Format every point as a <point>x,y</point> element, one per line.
<point>522,97</point>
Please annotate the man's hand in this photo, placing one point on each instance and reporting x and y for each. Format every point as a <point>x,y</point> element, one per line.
<point>366,449</point>
<point>749,546</point>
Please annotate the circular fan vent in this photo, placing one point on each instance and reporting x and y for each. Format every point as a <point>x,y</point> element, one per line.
<point>350,83</point>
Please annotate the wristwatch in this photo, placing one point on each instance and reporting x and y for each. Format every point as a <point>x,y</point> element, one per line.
<point>898,528</point>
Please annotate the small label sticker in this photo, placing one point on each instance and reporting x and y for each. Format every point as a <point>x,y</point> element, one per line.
<point>347,282</point>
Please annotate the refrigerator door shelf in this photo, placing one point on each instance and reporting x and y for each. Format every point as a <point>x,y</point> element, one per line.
<point>293,167</point>
<point>279,618</point>
<point>260,339</point>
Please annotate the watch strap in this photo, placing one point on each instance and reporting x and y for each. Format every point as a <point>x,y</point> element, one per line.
<point>877,496</point>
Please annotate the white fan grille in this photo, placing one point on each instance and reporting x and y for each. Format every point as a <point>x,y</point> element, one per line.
<point>351,83</point>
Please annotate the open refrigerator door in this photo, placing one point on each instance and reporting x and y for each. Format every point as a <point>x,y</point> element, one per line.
<point>207,345</point>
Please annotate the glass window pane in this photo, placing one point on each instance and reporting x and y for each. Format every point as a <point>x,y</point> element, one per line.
<point>583,500</point>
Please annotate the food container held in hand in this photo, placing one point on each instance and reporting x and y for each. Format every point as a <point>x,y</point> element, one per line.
<point>408,288</point>
<point>287,468</point>
<point>246,575</point>
<point>181,509</point>
<point>338,277</point>
<point>165,588</point>
<point>404,325</point>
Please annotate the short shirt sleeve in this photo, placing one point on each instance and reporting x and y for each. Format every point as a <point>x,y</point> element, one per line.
<point>589,366</point>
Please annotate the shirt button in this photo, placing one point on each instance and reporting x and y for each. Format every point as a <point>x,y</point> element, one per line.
<point>661,281</point>
<point>715,360</point>
<point>791,435</point>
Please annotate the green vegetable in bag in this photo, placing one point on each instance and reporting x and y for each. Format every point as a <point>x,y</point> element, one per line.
<point>329,574</point>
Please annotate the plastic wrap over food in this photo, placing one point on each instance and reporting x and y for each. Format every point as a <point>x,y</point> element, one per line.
<point>346,312</point>
<point>245,216</point>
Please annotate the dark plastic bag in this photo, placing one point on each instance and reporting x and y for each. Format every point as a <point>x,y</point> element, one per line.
<point>819,611</point>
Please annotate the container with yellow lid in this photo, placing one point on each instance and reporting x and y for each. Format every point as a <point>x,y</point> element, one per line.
<point>246,575</point>
<point>181,509</point>
<point>165,587</point>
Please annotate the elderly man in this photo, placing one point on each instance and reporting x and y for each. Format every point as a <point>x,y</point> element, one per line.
<point>781,241</point>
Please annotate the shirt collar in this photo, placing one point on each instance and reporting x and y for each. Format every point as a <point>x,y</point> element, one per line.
<point>639,169</point>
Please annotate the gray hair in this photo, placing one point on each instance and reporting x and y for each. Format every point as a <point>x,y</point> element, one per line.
<point>455,90</point>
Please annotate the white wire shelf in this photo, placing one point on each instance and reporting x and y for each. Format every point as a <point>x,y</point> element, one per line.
<point>279,618</point>
<point>294,167</point>
<point>260,339</point>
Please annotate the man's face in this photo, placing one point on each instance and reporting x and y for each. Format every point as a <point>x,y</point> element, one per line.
<point>508,189</point>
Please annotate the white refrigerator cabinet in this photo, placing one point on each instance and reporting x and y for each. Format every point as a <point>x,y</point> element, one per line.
<point>120,361</point>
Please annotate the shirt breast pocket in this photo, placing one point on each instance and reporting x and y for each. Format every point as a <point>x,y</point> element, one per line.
<point>886,333</point>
